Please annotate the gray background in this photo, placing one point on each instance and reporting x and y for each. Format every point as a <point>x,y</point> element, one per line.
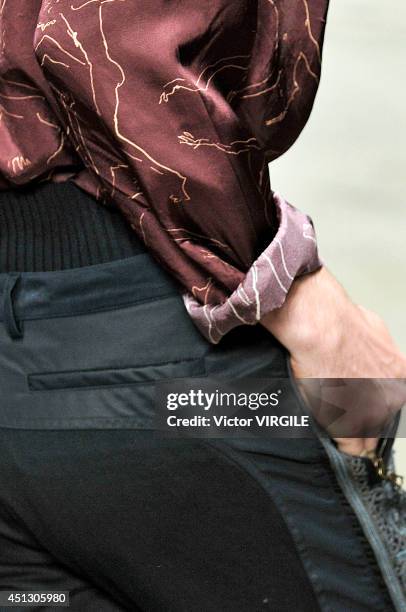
<point>347,168</point>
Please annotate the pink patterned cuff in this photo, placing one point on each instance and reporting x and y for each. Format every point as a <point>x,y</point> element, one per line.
<point>291,253</point>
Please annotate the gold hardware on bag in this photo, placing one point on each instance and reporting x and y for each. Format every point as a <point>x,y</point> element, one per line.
<point>383,472</point>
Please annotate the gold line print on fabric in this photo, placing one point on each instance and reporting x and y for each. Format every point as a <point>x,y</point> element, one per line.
<point>169,89</point>
<point>234,148</point>
<point>296,88</point>
<point>157,166</point>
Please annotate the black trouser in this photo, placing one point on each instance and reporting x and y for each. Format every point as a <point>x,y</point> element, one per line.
<point>94,503</point>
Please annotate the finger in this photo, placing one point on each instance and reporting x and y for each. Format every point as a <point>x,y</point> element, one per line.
<point>351,446</point>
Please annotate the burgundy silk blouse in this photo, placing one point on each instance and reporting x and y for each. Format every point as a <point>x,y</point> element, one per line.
<point>172,110</point>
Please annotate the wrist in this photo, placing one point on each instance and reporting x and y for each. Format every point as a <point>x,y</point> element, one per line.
<point>312,316</point>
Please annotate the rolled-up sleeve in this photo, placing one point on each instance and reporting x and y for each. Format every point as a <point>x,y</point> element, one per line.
<point>292,252</point>
<point>175,111</point>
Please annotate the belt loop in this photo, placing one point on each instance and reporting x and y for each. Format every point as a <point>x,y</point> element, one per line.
<point>13,327</point>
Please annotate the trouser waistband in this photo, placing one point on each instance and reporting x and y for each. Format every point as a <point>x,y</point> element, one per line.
<point>40,295</point>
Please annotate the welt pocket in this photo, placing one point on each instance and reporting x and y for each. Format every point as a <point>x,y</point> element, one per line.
<point>112,377</point>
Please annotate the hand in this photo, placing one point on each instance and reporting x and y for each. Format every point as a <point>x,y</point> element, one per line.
<point>331,338</point>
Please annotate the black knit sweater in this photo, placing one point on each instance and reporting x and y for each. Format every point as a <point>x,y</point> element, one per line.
<point>54,226</point>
